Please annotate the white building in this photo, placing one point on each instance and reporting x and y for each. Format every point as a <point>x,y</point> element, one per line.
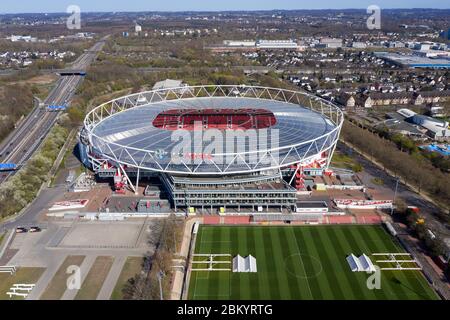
<point>423,46</point>
<point>437,111</point>
<point>15,38</point>
<point>168,84</point>
<point>137,28</point>
<point>436,129</point>
<point>331,42</point>
<point>432,53</point>
<point>396,44</point>
<point>276,44</point>
<point>238,43</point>
<point>359,45</point>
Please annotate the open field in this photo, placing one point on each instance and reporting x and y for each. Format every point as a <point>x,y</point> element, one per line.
<point>341,160</point>
<point>307,262</point>
<point>58,284</point>
<point>94,280</point>
<point>99,235</point>
<point>132,266</point>
<point>22,276</point>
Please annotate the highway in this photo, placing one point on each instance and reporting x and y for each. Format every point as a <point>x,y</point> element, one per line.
<point>20,145</point>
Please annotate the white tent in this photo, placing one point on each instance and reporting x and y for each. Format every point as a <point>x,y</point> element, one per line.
<point>250,264</point>
<point>238,264</point>
<point>247,264</point>
<point>361,264</point>
<point>354,263</point>
<point>366,263</point>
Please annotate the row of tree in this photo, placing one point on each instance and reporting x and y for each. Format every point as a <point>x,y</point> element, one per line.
<point>22,188</point>
<point>165,237</point>
<point>407,144</point>
<point>15,101</point>
<point>414,170</point>
<point>435,246</point>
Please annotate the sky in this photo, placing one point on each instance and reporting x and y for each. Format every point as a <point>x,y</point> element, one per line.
<point>27,6</point>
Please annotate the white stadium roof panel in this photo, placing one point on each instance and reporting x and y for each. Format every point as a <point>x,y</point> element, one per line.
<point>125,132</point>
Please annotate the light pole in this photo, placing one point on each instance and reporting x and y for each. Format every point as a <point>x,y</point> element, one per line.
<point>174,242</point>
<point>395,195</point>
<point>160,276</point>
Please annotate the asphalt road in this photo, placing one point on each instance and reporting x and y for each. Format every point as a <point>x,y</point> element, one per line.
<point>30,216</point>
<point>427,209</point>
<point>20,145</point>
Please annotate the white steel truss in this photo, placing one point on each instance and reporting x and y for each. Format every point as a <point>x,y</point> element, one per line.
<point>148,159</point>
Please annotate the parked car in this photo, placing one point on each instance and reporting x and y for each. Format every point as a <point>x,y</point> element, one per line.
<point>21,230</point>
<point>35,229</point>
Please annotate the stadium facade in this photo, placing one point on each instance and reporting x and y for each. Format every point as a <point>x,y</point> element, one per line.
<point>213,147</point>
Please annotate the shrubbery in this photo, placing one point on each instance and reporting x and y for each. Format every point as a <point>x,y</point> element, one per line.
<point>15,101</point>
<point>165,236</point>
<point>435,246</point>
<point>22,188</point>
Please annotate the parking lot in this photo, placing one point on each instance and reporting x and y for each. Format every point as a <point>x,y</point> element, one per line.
<point>49,250</point>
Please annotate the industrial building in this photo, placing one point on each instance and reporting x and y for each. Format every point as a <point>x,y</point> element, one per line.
<point>249,45</point>
<point>435,128</point>
<point>330,43</point>
<point>239,43</point>
<point>276,44</point>
<point>167,84</point>
<point>414,61</point>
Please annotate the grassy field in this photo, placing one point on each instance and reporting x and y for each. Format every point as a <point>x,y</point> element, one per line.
<point>58,285</point>
<point>94,280</point>
<point>22,276</point>
<point>307,262</point>
<point>341,160</point>
<point>132,266</point>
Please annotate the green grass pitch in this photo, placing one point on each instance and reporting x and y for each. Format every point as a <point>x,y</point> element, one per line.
<point>304,262</point>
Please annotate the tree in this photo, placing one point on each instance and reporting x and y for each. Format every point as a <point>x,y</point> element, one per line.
<point>164,236</point>
<point>447,271</point>
<point>435,246</point>
<point>76,115</point>
<point>400,205</point>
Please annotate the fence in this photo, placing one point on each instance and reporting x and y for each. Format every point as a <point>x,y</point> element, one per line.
<point>8,269</point>
<point>20,290</point>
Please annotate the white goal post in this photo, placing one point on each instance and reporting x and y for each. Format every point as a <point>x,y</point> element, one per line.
<point>210,259</point>
<point>396,259</point>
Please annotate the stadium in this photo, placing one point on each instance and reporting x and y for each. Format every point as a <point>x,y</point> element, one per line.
<point>213,147</point>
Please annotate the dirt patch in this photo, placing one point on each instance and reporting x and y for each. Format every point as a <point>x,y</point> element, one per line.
<point>40,80</point>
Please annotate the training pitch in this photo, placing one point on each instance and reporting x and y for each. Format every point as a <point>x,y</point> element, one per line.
<point>307,262</point>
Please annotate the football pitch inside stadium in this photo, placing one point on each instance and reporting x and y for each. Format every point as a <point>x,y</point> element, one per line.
<point>301,262</point>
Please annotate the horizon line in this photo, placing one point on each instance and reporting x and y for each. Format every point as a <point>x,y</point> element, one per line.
<point>226,10</point>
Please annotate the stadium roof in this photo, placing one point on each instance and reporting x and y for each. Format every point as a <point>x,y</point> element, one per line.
<point>134,127</point>
<point>166,130</point>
